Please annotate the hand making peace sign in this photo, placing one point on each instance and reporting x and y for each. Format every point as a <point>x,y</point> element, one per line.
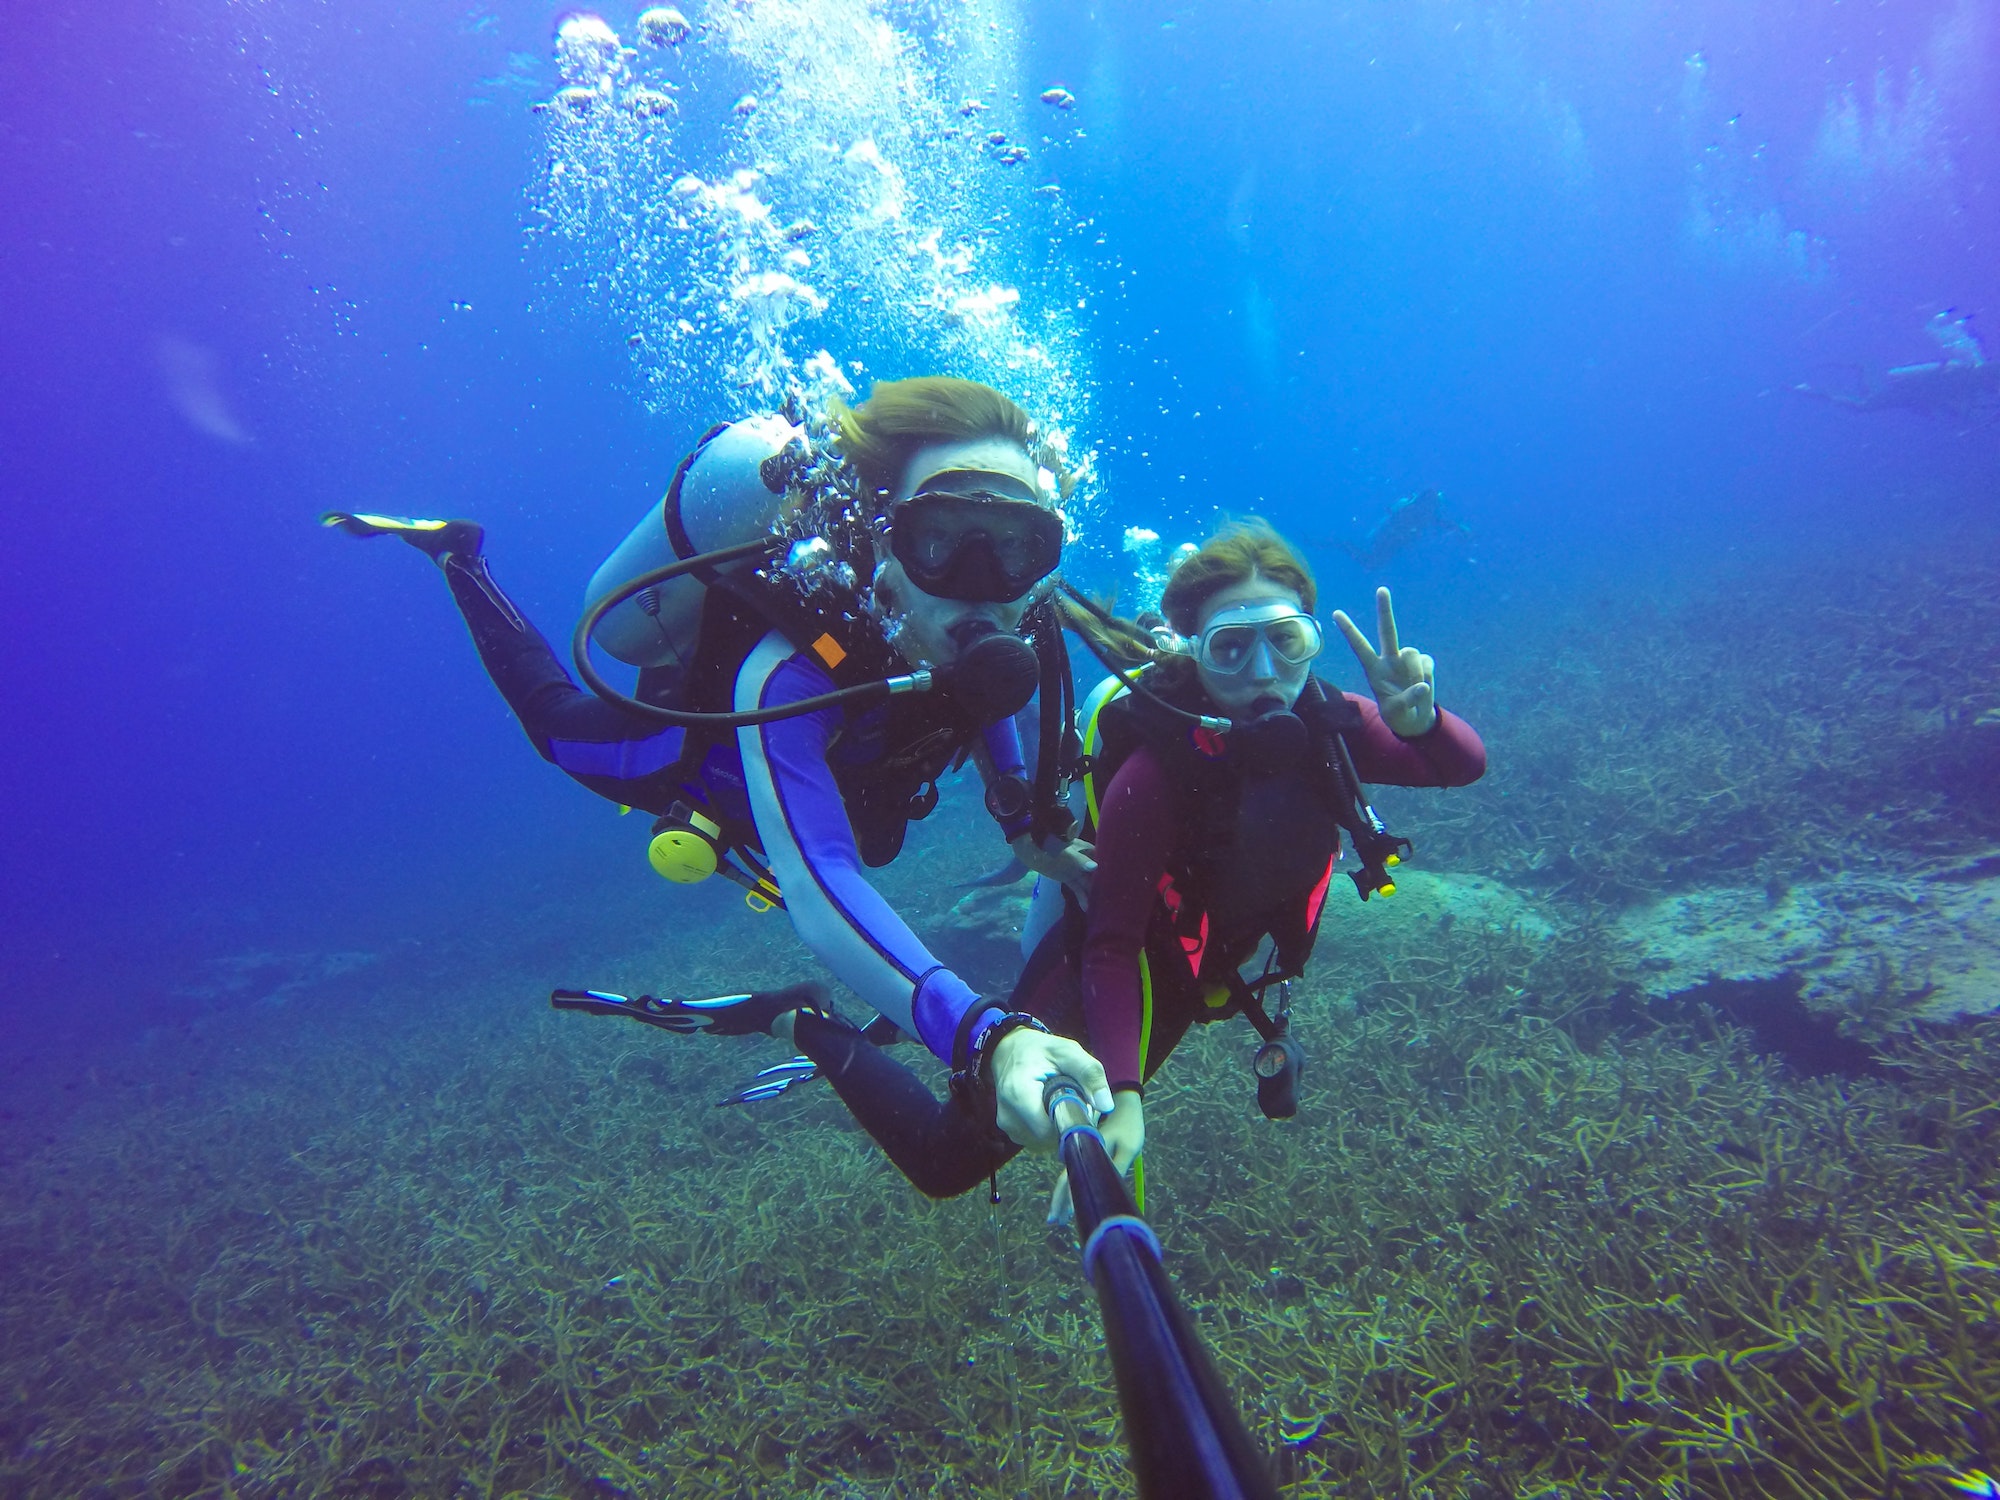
<point>1400,676</point>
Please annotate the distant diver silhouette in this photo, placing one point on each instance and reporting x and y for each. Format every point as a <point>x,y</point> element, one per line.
<point>1407,522</point>
<point>1963,383</point>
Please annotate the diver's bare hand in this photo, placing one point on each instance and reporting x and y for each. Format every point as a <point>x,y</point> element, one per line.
<point>1401,677</point>
<point>1023,1062</point>
<point>1069,861</point>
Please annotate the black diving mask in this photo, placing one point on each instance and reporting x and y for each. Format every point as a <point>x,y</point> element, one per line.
<point>975,536</point>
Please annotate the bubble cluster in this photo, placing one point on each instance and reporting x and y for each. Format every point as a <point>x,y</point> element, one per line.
<point>780,200</point>
<point>662,26</point>
<point>1153,563</point>
<point>587,52</point>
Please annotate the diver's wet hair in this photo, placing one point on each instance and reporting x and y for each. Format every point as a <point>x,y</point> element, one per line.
<point>1242,550</point>
<point>900,416</point>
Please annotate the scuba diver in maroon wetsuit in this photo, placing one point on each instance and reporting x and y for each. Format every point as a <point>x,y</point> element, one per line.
<point>1220,779</point>
<point>1217,844</point>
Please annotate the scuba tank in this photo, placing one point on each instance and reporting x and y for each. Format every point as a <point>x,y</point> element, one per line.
<point>727,492</point>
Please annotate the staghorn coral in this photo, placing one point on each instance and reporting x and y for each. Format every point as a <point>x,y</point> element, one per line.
<point>1521,1241</point>
<point>1498,1259</point>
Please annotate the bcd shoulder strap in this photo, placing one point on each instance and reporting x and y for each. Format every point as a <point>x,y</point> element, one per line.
<point>738,610</point>
<point>670,510</point>
<point>824,625</point>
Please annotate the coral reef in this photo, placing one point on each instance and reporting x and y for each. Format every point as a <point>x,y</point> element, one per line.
<point>1862,945</point>
<point>980,935</point>
<point>1628,766</point>
<point>273,978</point>
<point>1443,900</point>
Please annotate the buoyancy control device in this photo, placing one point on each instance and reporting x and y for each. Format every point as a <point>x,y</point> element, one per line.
<point>1187,737</point>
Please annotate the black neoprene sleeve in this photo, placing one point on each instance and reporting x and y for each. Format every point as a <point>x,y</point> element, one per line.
<point>934,1142</point>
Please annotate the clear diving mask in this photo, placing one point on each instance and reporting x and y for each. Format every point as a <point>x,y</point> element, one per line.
<point>1230,643</point>
<point>975,536</point>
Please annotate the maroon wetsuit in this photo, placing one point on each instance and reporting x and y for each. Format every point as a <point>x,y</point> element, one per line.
<point>1143,818</point>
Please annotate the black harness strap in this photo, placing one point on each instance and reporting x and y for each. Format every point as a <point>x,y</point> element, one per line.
<point>1373,844</point>
<point>670,509</point>
<point>1056,748</point>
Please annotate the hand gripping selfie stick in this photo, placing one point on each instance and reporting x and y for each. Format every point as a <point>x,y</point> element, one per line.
<point>1186,1440</point>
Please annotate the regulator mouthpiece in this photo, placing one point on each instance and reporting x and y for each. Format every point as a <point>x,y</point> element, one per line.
<point>994,677</point>
<point>1269,742</point>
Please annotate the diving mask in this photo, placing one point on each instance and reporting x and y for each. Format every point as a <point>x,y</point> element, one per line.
<point>975,536</point>
<point>1229,645</point>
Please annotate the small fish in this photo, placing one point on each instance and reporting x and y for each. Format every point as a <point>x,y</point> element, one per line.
<point>1058,98</point>
<point>1299,1432</point>
<point>971,107</point>
<point>1976,1482</point>
<point>614,1281</point>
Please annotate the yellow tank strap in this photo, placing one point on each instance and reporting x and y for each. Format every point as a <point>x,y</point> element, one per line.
<point>1094,705</point>
<point>1145,1046</point>
<point>1145,1012</point>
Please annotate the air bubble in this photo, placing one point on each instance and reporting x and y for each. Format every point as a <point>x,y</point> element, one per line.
<point>877,230</point>
<point>662,26</point>
<point>587,50</point>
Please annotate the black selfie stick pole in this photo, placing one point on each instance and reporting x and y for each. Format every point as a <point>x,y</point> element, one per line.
<point>1186,1439</point>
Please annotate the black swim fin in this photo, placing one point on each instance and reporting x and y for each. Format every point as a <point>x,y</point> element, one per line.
<point>437,540</point>
<point>772,1082</point>
<point>725,1015</point>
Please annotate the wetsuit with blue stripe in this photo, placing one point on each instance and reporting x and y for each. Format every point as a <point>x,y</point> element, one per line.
<point>781,778</point>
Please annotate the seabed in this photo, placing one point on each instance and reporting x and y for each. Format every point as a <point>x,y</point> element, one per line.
<point>1579,1201</point>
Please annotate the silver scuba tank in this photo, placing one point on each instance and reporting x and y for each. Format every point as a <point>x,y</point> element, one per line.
<point>723,497</point>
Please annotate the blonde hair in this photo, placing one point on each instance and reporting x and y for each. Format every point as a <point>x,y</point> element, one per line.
<point>880,435</point>
<point>1241,551</point>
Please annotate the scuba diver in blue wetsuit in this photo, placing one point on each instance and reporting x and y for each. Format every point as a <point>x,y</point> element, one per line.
<point>822,629</point>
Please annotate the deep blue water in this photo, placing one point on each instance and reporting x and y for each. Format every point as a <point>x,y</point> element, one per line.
<point>1563,261</point>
